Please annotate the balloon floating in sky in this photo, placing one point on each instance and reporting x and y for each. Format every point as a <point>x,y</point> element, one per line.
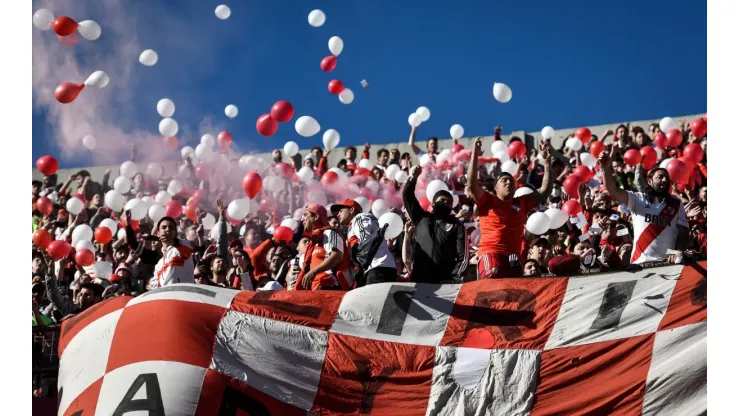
<point>423,113</point>
<point>336,45</point>
<point>65,26</point>
<point>168,127</point>
<point>316,18</point>
<point>67,92</point>
<point>501,92</point>
<point>346,96</point>
<point>329,63</point>
<point>89,29</point>
<point>267,125</point>
<point>165,107</point>
<point>42,19</point>
<point>148,58</point>
<point>231,111</point>
<point>47,165</point>
<point>282,111</point>
<point>456,131</point>
<point>307,126</point>
<point>89,142</point>
<point>223,12</point>
<point>336,86</point>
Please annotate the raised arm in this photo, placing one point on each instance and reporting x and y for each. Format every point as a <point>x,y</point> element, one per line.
<point>463,252</point>
<point>473,187</point>
<point>546,187</point>
<point>413,208</point>
<point>412,136</point>
<point>619,195</point>
<point>222,241</point>
<point>52,290</point>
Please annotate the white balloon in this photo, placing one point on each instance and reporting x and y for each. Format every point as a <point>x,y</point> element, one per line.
<point>208,221</point>
<point>456,131</point>
<point>346,96</point>
<point>110,224</point>
<point>502,156</point>
<point>522,191</point>
<point>216,230</point>
<point>128,169</point>
<point>82,232</point>
<point>336,45</point>
<point>120,235</point>
<point>290,223</point>
<point>113,200</point>
<point>330,139</point>
<point>138,209</point>
<point>391,171</point>
<point>499,146</point>
<point>149,201</point>
<point>291,149</point>
<point>148,57</point>
<point>162,198</point>
<point>501,92</point>
<point>89,141</point>
<point>75,205</point>
<point>538,223</point>
<point>414,120</point>
<point>364,204</point>
<point>307,126</point>
<point>574,144</point>
<point>667,123</point>
<point>548,132</point>
<point>231,111</point>
<point>424,159</point>
<point>156,212</point>
<point>366,164</point>
<point>402,176</point>
<point>203,152</point>
<point>316,18</point>
<point>154,170</point>
<point>98,79</point>
<point>42,19</point>
<point>372,185</point>
<point>174,187</point>
<point>379,208</point>
<point>394,222</point>
<point>509,167</point>
<point>208,140</point>
<point>165,107</point>
<point>665,162</point>
<point>423,113</point>
<point>588,160</point>
<point>557,218</point>
<point>89,29</point>
<point>187,152</point>
<point>443,156</point>
<point>305,174</point>
<point>168,127</point>
<point>238,208</point>
<point>434,187</point>
<point>85,245</point>
<point>122,185</point>
<point>223,12</point>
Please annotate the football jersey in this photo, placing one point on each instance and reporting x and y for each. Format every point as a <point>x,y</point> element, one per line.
<point>502,223</point>
<point>655,225</point>
<point>363,226</point>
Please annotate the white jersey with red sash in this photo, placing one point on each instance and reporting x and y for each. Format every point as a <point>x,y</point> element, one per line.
<point>175,266</point>
<point>655,225</point>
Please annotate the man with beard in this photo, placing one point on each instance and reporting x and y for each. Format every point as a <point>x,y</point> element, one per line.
<point>218,271</point>
<point>658,218</point>
<point>502,216</point>
<point>440,250</point>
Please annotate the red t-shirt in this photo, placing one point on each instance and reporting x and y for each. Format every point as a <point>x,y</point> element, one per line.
<point>502,223</point>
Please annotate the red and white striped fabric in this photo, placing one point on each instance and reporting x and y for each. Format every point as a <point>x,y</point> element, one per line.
<point>620,343</point>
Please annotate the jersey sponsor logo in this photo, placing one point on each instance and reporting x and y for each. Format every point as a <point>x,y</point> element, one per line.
<point>658,219</point>
<point>448,227</point>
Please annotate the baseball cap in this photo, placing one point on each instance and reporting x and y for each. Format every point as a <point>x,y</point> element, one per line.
<point>347,203</point>
<point>320,211</point>
<point>270,286</point>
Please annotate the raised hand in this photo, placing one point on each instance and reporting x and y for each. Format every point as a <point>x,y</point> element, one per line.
<point>415,172</point>
<point>221,209</point>
<point>478,146</point>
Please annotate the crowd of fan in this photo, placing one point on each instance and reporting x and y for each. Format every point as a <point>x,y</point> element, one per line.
<point>341,247</point>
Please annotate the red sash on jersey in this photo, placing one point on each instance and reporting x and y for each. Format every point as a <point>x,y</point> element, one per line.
<point>652,231</point>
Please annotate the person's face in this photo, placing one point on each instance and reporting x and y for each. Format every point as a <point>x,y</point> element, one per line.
<point>621,133</point>
<point>166,232</point>
<point>308,162</point>
<point>538,253</point>
<point>318,153</point>
<point>251,238</point>
<point>276,260</point>
<point>37,266</point>
<point>531,269</point>
<point>350,154</point>
<point>616,166</point>
<point>660,181</point>
<point>191,234</point>
<point>383,158</point>
<point>344,215</point>
<point>86,298</point>
<point>120,255</point>
<point>703,193</point>
<point>277,156</point>
<point>432,145</point>
<point>504,187</point>
<point>601,201</point>
<point>581,248</point>
<point>395,155</point>
<point>334,223</point>
<point>218,266</point>
<point>562,235</point>
<point>377,174</point>
<point>96,200</point>
<point>138,179</point>
<point>302,246</point>
<point>309,219</point>
<point>654,130</point>
<point>50,181</point>
<point>641,139</point>
<point>240,259</point>
<point>444,199</point>
<point>124,274</point>
<point>35,189</point>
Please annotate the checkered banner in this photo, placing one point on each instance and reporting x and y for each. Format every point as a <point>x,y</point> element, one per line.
<point>623,343</point>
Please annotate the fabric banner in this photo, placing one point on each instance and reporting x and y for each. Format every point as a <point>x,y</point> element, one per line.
<point>615,343</point>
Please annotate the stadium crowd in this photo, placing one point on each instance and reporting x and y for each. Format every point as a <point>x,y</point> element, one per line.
<point>608,202</point>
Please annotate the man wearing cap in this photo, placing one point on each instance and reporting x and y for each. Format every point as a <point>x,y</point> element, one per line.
<point>176,264</point>
<point>326,264</point>
<point>502,216</point>
<point>440,250</point>
<point>362,227</point>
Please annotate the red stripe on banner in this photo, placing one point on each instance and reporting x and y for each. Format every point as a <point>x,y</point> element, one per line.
<point>86,402</point>
<point>688,303</point>
<point>165,330</point>
<point>312,309</point>
<point>653,230</point>
<point>605,378</point>
<point>505,313</point>
<point>73,326</point>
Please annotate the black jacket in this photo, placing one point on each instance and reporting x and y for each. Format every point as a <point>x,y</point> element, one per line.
<point>440,244</point>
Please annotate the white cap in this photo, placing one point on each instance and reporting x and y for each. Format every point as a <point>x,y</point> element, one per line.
<point>272,286</point>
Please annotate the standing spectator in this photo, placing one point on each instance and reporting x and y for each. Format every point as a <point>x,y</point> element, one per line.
<point>440,247</point>
<point>503,217</point>
<point>326,261</point>
<point>350,154</point>
<point>176,264</point>
<point>383,156</point>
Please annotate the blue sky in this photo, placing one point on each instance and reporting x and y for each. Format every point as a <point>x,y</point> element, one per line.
<point>568,63</point>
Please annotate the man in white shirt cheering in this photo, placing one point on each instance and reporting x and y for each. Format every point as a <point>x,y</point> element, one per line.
<point>658,218</point>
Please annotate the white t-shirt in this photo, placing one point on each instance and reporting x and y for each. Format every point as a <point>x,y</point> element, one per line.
<point>363,226</point>
<point>655,225</point>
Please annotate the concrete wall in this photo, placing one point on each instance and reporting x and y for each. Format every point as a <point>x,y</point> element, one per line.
<point>531,139</point>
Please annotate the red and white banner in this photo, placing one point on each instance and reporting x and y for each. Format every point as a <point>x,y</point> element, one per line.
<point>621,343</point>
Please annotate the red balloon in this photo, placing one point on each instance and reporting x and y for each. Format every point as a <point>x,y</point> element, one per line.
<point>268,204</point>
<point>267,125</point>
<point>202,171</point>
<point>69,40</point>
<point>44,205</point>
<point>650,157</point>
<point>596,148</point>
<point>252,183</point>
<point>103,235</point>
<point>173,209</point>
<point>191,212</point>
<point>583,134</point>
<point>457,148</point>
<point>571,184</point>
<point>632,157</point>
<point>42,238</point>
<point>675,137</point>
<point>171,142</point>
<point>584,173</point>
<point>661,141</point>
<point>693,152</point>
<point>198,195</point>
<point>699,128</point>
<point>224,140</point>
<point>64,26</point>
<point>84,257</point>
<point>59,249</point>
<point>361,173</point>
<point>66,92</point>
<point>336,86</point>
<point>678,171</point>
<point>282,234</point>
<point>571,207</point>
<point>47,165</point>
<point>329,63</point>
<point>329,178</point>
<point>232,221</point>
<point>282,111</point>
<point>517,149</point>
